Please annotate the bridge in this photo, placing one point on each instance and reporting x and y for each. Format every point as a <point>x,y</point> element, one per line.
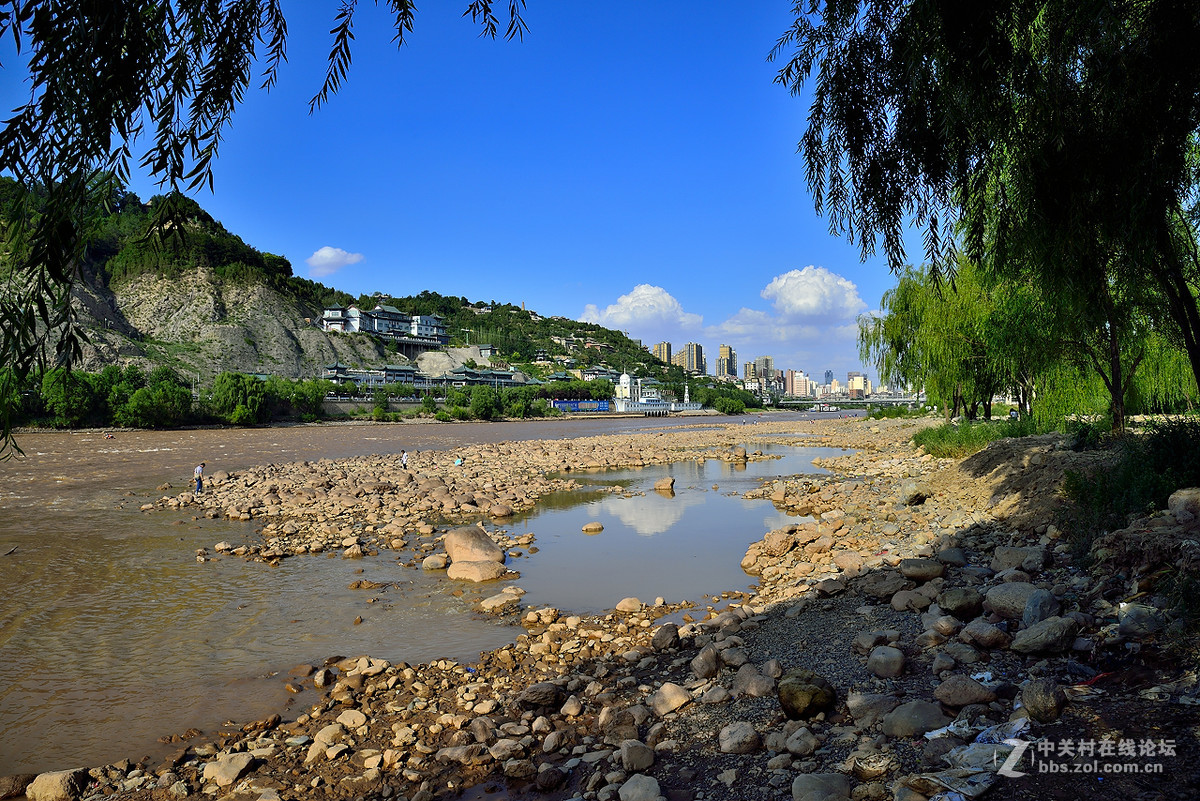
<point>852,403</point>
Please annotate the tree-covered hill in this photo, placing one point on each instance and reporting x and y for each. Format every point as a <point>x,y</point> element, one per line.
<point>197,298</point>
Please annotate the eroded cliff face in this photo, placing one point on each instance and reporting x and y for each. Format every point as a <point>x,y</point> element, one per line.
<point>199,324</point>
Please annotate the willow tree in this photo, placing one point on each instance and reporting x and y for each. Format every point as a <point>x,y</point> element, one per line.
<point>963,341</point>
<point>106,79</point>
<point>1056,136</point>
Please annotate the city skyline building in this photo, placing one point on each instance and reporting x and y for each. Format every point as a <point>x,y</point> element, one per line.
<point>662,351</point>
<point>726,362</point>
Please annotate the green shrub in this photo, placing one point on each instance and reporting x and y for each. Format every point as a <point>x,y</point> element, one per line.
<point>443,416</point>
<point>893,412</point>
<point>1147,469</point>
<point>726,405</point>
<point>952,441</point>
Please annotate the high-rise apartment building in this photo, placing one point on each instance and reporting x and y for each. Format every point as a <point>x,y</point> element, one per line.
<point>795,384</point>
<point>764,366</point>
<point>696,361</point>
<point>726,362</point>
<point>829,377</point>
<point>662,351</point>
<point>691,359</point>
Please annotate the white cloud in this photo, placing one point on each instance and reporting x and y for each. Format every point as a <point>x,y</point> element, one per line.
<point>812,323</point>
<point>644,311</point>
<point>328,261</point>
<point>814,292</point>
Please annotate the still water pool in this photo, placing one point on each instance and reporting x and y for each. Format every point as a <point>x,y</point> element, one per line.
<point>679,547</point>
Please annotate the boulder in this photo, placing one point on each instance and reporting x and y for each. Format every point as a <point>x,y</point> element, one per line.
<point>639,787</point>
<point>668,698</point>
<point>955,557</point>
<point>867,709</point>
<point>594,527</point>
<point>882,584</point>
<point>803,694</point>
<point>886,662</point>
<point>1053,634</point>
<point>707,663</point>
<point>1028,559</point>
<point>436,561</point>
<point>665,637</point>
<point>821,787</point>
<point>921,570</point>
<point>226,769</point>
<point>58,785</point>
<point>962,602</point>
<point>630,604</point>
<point>802,742</point>
<point>472,544</point>
<point>984,634</point>
<point>913,493</point>
<point>665,484</point>
<point>1138,620</point>
<point>635,756</point>
<point>750,682</point>
<point>739,738</point>
<point>14,785</point>
<point>960,691</point>
<point>475,571</point>
<point>914,719</point>
<point>541,694</point>
<point>1185,501</point>
<point>1041,605</point>
<point>1043,699</point>
<point>1008,600</point>
<point>910,601</point>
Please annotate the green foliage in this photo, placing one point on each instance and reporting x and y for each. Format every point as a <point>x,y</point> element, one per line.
<point>725,398</point>
<point>576,390</point>
<point>161,405</point>
<point>68,397</point>
<point>1052,142</point>
<point>894,412</point>
<point>428,404</point>
<point>964,343</point>
<point>952,441</point>
<point>1148,468</point>
<point>485,403</point>
<point>729,406</point>
<point>238,399</point>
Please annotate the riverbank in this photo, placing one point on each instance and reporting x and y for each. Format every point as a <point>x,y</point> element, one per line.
<point>918,575</point>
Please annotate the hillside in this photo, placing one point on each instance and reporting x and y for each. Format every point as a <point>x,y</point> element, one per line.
<point>202,301</point>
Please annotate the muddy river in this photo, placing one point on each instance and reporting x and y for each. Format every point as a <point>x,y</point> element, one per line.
<point>112,635</point>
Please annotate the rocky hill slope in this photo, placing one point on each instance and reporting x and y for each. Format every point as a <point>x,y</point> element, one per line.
<point>200,324</point>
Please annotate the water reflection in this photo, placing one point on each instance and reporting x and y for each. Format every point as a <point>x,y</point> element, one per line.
<point>652,513</point>
<point>680,548</point>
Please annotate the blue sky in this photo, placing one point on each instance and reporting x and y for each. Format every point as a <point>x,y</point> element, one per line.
<point>628,163</point>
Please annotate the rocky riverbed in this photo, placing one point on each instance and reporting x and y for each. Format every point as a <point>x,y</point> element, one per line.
<point>918,614</point>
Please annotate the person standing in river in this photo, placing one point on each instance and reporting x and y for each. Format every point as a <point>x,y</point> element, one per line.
<point>198,474</point>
